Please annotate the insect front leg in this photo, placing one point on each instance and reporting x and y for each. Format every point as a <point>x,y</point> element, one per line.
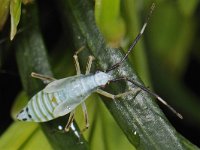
<point>70,121</point>
<point>44,78</point>
<point>84,108</point>
<point>112,96</point>
<point>77,65</point>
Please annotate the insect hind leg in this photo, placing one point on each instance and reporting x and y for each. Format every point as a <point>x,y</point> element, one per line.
<point>70,121</point>
<point>84,108</point>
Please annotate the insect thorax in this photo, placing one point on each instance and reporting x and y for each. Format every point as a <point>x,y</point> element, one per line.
<point>101,78</point>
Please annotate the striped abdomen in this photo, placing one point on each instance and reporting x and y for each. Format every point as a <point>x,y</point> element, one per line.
<point>40,107</point>
<point>72,90</point>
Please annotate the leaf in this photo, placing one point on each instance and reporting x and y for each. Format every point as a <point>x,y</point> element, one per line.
<point>186,8</point>
<point>110,23</point>
<point>4,9</point>
<point>15,13</point>
<point>172,48</point>
<point>133,24</point>
<point>21,135</point>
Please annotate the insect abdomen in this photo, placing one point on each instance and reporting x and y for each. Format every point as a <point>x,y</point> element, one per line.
<point>41,106</point>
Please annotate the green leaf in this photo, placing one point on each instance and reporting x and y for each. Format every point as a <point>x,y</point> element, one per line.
<point>139,117</point>
<point>175,91</point>
<point>110,23</point>
<point>175,36</point>
<point>33,143</point>
<point>4,9</point>
<point>186,8</point>
<point>21,135</point>
<point>133,24</point>
<point>15,13</point>
<point>111,133</point>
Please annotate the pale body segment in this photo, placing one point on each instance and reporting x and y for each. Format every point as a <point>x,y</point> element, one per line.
<point>62,96</point>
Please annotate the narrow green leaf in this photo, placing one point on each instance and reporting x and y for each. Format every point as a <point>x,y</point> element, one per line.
<point>175,91</point>
<point>4,9</point>
<point>22,135</point>
<point>172,48</point>
<point>110,23</point>
<point>112,134</point>
<point>37,141</point>
<point>186,8</point>
<point>15,13</point>
<point>133,24</point>
<point>17,134</point>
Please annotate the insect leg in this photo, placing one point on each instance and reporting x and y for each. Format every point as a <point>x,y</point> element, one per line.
<point>89,64</point>
<point>70,121</point>
<point>44,78</point>
<point>84,108</point>
<point>77,66</point>
<point>112,96</point>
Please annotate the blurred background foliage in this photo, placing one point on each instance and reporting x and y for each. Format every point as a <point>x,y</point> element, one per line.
<point>167,59</point>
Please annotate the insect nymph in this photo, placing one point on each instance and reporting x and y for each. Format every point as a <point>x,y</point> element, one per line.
<point>62,96</point>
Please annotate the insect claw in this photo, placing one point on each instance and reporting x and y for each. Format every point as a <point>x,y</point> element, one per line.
<point>180,116</point>
<point>66,129</point>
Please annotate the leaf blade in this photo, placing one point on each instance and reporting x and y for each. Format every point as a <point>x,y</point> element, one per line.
<point>15,13</point>
<point>4,9</point>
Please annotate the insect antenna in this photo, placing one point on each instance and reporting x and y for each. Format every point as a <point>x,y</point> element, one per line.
<point>151,93</point>
<point>134,42</point>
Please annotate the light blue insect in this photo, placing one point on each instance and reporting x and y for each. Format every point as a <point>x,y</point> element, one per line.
<point>62,96</point>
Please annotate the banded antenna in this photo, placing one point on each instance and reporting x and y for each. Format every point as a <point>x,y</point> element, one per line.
<point>133,82</point>
<point>134,42</point>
